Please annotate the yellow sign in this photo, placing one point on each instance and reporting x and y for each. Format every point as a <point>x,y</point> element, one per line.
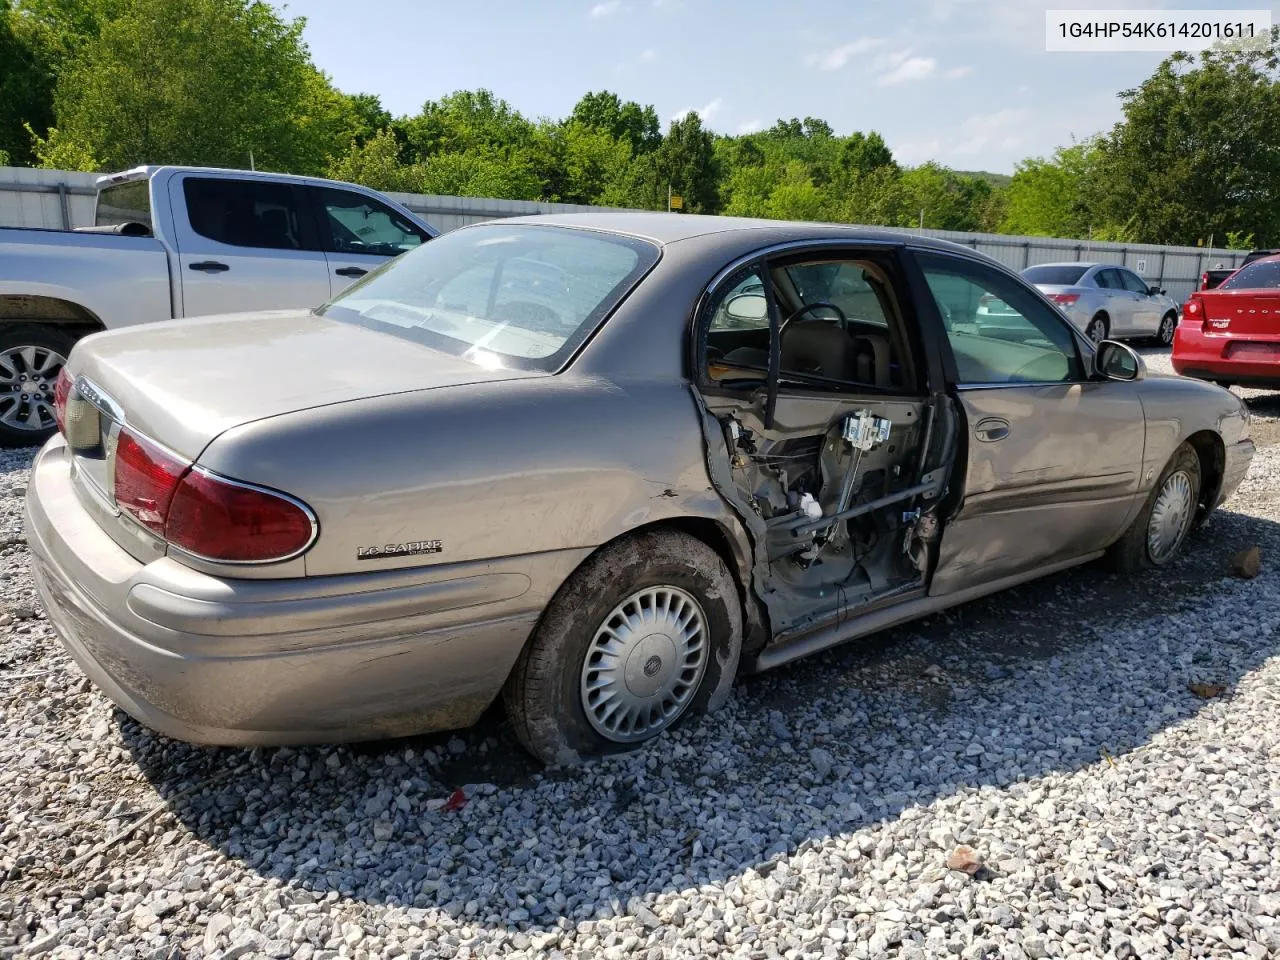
<point>676,203</point>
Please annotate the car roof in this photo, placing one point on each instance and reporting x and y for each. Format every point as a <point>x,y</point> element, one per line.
<point>665,228</point>
<point>1073,263</point>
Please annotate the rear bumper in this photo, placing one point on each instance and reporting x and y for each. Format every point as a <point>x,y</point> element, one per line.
<point>1209,357</point>
<point>300,660</point>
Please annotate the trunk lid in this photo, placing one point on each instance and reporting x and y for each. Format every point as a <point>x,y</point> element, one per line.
<point>1251,313</point>
<point>184,382</point>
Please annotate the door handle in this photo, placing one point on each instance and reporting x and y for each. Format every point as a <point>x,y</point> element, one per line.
<point>351,272</point>
<point>991,430</point>
<point>210,266</point>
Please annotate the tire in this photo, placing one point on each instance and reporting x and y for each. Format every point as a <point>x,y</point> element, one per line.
<point>1098,328</point>
<point>1168,325</point>
<point>27,349</point>
<point>545,696</point>
<point>1133,551</point>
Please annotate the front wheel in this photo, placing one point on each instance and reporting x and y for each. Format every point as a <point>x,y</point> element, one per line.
<point>31,357</point>
<point>646,632</point>
<point>1168,324</point>
<point>1158,531</point>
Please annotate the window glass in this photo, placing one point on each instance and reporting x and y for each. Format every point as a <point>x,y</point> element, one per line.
<point>352,223</point>
<point>842,283</point>
<point>1108,279</point>
<point>1132,282</point>
<point>1055,274</point>
<point>244,213</point>
<point>998,330</point>
<point>1261,274</point>
<point>514,296</point>
<point>124,203</point>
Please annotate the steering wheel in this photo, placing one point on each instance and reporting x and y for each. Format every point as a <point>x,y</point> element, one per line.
<point>818,305</point>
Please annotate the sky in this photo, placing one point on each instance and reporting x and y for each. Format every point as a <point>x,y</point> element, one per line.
<point>966,83</point>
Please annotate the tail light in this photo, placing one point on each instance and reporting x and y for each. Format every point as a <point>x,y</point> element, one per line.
<point>217,519</point>
<point>1193,310</point>
<point>1204,281</point>
<point>206,515</point>
<point>61,393</point>
<point>1064,299</point>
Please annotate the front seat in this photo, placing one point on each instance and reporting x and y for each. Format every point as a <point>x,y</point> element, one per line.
<point>818,347</point>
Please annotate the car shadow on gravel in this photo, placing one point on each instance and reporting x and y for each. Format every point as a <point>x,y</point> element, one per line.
<point>998,691</point>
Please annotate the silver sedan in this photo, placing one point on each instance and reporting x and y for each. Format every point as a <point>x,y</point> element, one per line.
<point>1105,300</point>
<point>591,465</point>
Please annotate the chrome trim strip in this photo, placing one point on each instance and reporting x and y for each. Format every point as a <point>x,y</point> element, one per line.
<point>1021,383</point>
<point>257,488</point>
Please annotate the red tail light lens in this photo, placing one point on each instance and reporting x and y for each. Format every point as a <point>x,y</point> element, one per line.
<point>219,520</point>
<point>206,515</point>
<point>1193,310</point>
<point>145,479</point>
<point>1204,281</point>
<point>1065,299</point>
<point>61,393</point>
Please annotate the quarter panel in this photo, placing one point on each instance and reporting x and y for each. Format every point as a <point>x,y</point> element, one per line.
<point>482,471</point>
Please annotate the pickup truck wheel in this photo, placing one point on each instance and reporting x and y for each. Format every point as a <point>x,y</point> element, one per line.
<point>1161,526</point>
<point>31,357</point>
<point>645,632</point>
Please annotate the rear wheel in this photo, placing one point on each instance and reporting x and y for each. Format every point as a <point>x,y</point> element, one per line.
<point>1168,324</point>
<point>646,632</point>
<point>1159,529</point>
<point>1098,328</point>
<point>31,357</point>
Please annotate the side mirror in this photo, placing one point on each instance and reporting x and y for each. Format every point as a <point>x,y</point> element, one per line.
<point>1118,361</point>
<point>1153,291</point>
<point>747,307</point>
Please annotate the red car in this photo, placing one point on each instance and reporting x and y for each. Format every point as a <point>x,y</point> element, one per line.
<point>1231,334</point>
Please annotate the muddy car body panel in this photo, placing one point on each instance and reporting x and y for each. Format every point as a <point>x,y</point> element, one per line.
<point>816,404</point>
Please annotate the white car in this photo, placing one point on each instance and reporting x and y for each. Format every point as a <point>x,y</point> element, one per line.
<point>1107,301</point>
<point>174,242</point>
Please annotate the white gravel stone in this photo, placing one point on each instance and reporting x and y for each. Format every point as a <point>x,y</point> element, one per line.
<point>1117,814</point>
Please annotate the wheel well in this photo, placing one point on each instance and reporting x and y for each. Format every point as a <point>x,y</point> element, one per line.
<point>32,309</point>
<point>1213,459</point>
<point>754,616</point>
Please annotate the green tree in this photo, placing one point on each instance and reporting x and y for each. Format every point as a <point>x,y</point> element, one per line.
<point>1198,151</point>
<point>1054,197</point>
<point>198,82</point>
<point>26,82</point>
<point>685,160</point>
<point>627,121</point>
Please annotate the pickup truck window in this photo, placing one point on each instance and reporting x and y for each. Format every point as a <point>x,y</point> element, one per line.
<point>124,203</point>
<point>356,224</point>
<point>245,213</point>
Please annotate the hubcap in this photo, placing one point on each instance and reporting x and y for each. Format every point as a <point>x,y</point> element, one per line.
<point>27,378</point>
<point>644,664</point>
<point>1170,517</point>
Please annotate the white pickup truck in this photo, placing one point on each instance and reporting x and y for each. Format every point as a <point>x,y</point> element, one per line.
<point>179,242</point>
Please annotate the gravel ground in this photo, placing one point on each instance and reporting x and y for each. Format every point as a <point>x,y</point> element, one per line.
<point>1050,729</point>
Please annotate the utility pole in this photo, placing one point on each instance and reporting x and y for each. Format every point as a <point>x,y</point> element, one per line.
<point>922,218</point>
<point>251,166</point>
<point>668,197</point>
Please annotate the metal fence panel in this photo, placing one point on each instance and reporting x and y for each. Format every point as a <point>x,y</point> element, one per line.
<point>59,199</point>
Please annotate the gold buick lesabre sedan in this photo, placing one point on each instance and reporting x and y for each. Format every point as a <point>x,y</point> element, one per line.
<point>593,465</point>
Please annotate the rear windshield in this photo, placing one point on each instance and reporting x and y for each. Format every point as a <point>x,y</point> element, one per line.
<point>508,295</point>
<point>1054,275</point>
<point>1256,276</point>
<point>124,203</point>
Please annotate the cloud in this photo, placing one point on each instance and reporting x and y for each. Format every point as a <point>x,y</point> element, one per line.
<point>705,114</point>
<point>751,126</point>
<point>958,73</point>
<point>904,68</point>
<point>648,56</point>
<point>605,9</point>
<point>984,132</point>
<point>836,58</point>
